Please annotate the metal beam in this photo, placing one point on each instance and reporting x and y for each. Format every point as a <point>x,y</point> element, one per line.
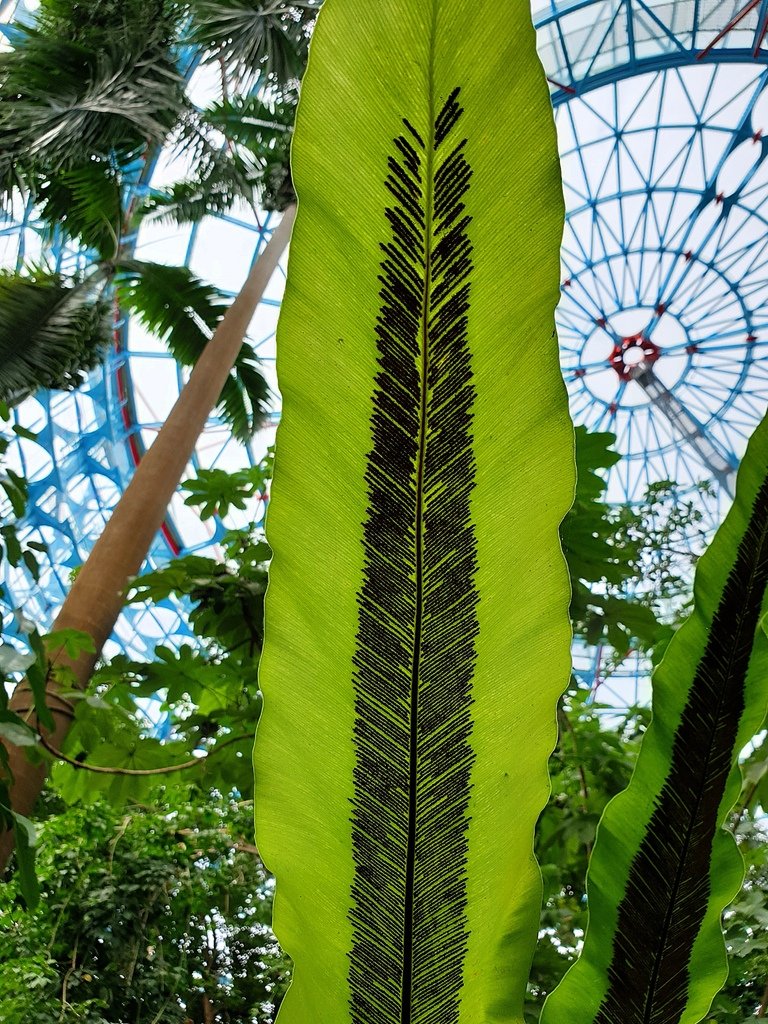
<point>721,464</point>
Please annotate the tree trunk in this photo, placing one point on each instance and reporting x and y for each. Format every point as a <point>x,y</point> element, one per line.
<point>209,1015</point>
<point>98,593</point>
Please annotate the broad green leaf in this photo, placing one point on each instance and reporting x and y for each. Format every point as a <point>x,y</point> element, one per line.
<point>410,704</point>
<point>9,539</point>
<point>26,840</point>
<point>15,487</point>
<point>663,868</point>
<point>74,642</point>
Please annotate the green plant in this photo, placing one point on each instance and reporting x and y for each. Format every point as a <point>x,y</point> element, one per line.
<point>400,761</point>
<point>663,870</point>
<point>148,914</point>
<point>433,342</point>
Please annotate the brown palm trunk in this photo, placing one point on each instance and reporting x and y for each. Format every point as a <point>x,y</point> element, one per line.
<point>209,1014</point>
<point>98,593</point>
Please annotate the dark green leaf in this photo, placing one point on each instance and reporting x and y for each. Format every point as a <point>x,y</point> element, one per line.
<point>51,332</point>
<point>73,641</point>
<point>37,677</point>
<point>26,839</point>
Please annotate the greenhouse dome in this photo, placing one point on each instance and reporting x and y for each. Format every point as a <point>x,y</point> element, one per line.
<point>662,114</point>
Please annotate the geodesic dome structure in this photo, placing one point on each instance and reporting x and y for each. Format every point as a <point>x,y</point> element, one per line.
<point>662,115</point>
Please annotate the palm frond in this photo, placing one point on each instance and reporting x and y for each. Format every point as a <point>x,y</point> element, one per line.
<point>277,191</point>
<point>61,103</point>
<point>198,142</point>
<point>52,331</point>
<point>105,104</point>
<point>255,396</point>
<point>184,311</point>
<point>240,149</point>
<point>255,121</point>
<point>256,39</point>
<point>188,202</point>
<point>264,129</point>
<point>220,179</point>
<point>171,303</point>
<point>98,24</point>
<point>86,202</point>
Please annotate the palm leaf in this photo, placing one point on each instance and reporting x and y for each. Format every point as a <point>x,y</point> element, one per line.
<point>253,121</point>
<point>663,869</point>
<point>183,311</point>
<point>220,180</point>
<point>52,331</point>
<point>86,203</point>
<point>263,130</point>
<point>256,39</point>
<point>62,103</point>
<point>401,758</point>
<point>190,201</point>
<point>99,24</point>
<point>252,164</point>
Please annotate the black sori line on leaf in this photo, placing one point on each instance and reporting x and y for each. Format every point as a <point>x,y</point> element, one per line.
<point>415,648</point>
<point>668,888</point>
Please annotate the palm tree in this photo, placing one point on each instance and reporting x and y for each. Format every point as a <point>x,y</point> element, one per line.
<point>78,156</point>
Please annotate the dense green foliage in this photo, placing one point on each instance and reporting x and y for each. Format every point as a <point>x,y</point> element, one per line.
<point>209,687</point>
<point>114,878</point>
<point>147,916</point>
<point>663,870</point>
<point>211,690</point>
<point>630,565</point>
<point>154,904</point>
<point>593,761</point>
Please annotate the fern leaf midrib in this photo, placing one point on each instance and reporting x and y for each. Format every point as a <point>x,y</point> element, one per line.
<point>407,983</point>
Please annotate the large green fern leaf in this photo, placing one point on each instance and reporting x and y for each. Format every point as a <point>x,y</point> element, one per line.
<point>663,869</point>
<point>425,461</point>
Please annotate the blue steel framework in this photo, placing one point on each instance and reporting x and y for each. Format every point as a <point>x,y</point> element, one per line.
<point>662,115</point>
<point>663,124</point>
